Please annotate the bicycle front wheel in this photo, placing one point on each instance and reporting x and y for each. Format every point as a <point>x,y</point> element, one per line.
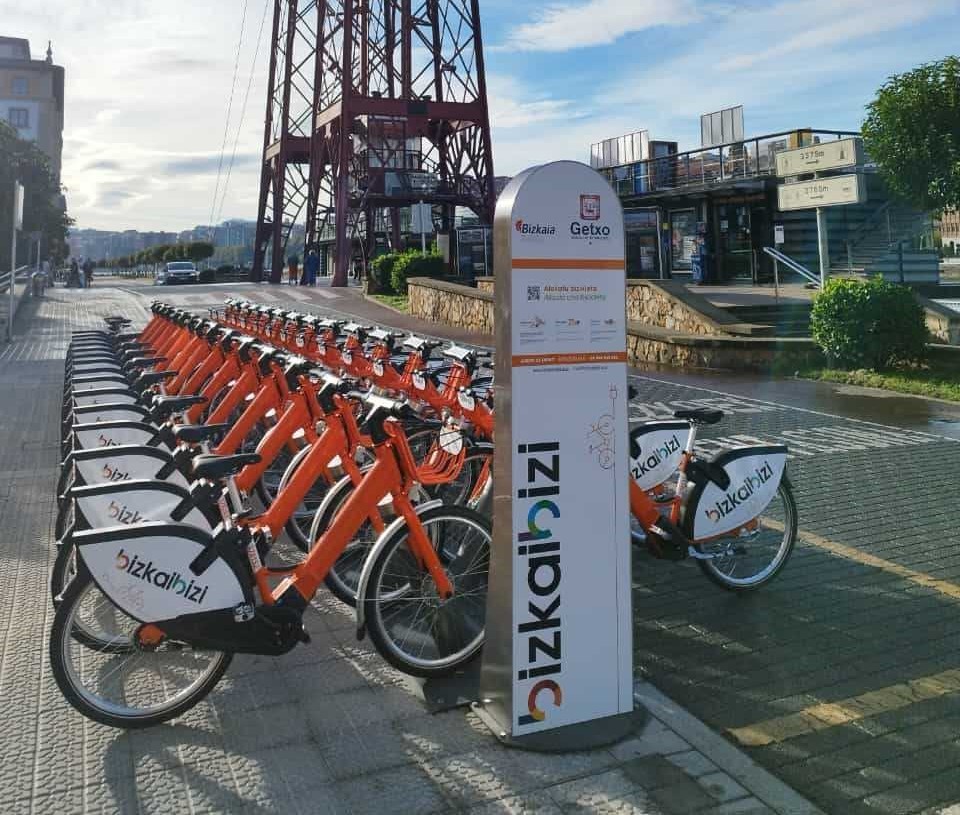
<point>758,552</point>
<point>126,684</point>
<point>413,628</point>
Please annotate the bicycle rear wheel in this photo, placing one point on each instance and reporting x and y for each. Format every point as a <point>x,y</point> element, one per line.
<point>410,625</point>
<point>125,685</point>
<point>751,559</point>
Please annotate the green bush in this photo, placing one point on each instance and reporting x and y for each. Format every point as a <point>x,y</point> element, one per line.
<point>381,271</point>
<point>869,324</point>
<point>414,264</point>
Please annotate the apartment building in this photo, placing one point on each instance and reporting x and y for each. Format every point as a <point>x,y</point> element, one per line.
<point>31,97</point>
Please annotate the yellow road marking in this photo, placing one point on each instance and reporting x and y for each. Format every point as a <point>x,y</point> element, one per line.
<point>826,715</point>
<point>831,714</point>
<point>945,587</point>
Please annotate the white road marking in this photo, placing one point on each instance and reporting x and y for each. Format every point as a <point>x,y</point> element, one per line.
<point>781,406</point>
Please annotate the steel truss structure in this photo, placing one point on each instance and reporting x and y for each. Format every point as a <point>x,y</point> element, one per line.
<point>372,106</point>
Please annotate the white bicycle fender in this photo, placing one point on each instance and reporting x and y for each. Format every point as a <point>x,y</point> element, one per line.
<point>96,436</point>
<point>374,552</point>
<point>755,474</point>
<point>656,449</point>
<point>141,503</point>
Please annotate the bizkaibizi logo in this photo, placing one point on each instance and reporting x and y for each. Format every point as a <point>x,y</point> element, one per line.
<point>743,493</point>
<point>173,582</point>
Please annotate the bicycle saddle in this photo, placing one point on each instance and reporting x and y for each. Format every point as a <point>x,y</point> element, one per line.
<point>164,406</point>
<point>149,378</point>
<point>218,467</point>
<point>700,416</point>
<point>196,433</point>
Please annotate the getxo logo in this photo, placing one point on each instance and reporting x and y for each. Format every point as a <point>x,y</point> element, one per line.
<point>579,230</point>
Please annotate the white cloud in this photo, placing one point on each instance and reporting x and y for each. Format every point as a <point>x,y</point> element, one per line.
<point>598,22</point>
<point>514,104</point>
<point>147,86</point>
<point>788,63</point>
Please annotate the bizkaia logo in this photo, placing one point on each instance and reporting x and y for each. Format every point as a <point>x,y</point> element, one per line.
<point>643,464</point>
<point>539,550</point>
<point>747,489</point>
<point>107,442</point>
<point>534,229</point>
<point>173,582</point>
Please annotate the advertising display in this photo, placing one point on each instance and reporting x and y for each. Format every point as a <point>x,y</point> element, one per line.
<point>559,641</point>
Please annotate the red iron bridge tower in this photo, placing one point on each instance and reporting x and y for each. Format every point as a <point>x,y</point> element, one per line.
<point>373,106</point>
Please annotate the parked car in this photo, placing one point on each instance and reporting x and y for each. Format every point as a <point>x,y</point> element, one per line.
<point>180,271</point>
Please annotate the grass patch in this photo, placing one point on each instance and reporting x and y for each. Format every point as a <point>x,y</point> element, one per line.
<point>933,382</point>
<point>398,301</point>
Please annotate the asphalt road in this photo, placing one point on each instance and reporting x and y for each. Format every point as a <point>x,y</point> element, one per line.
<point>842,677</point>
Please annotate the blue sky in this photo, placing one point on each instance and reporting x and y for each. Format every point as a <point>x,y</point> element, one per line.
<point>148,83</point>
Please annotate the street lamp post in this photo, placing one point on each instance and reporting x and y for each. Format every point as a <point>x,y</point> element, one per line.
<point>17,224</point>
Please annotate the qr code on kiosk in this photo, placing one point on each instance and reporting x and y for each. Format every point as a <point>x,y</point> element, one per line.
<point>533,292</point>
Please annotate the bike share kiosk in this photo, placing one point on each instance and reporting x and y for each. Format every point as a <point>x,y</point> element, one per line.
<point>557,669</point>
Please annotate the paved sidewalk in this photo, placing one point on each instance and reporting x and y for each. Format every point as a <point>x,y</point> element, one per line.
<point>842,676</point>
<point>328,728</point>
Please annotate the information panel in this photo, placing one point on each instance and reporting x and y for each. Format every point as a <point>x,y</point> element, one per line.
<point>830,155</point>
<point>823,192</point>
<point>559,639</point>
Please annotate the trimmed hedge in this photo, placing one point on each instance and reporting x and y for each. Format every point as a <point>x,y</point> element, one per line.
<point>415,264</point>
<point>869,324</point>
<point>379,280</point>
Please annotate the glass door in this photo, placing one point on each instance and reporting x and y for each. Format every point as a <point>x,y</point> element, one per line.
<point>736,242</point>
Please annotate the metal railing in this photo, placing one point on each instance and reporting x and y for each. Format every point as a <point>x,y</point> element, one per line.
<point>751,158</point>
<point>10,298</point>
<point>792,265</point>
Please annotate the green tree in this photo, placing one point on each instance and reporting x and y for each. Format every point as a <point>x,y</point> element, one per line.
<point>23,161</point>
<point>912,131</point>
<point>199,250</point>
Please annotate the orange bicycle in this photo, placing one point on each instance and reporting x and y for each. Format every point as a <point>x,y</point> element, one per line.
<point>169,604</point>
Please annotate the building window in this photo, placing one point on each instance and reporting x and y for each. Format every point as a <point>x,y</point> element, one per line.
<point>20,118</point>
<point>20,86</point>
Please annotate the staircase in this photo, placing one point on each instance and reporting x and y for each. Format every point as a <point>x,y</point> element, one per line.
<point>874,245</point>
<point>785,319</point>
<point>870,235</point>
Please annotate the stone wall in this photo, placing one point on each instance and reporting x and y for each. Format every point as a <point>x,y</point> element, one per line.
<point>653,346</point>
<point>485,284</point>
<point>694,341</point>
<point>451,304</point>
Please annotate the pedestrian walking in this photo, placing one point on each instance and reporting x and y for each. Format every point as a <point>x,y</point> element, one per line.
<point>357,269</point>
<point>311,265</point>
<point>73,279</point>
<point>293,269</point>
<point>88,273</point>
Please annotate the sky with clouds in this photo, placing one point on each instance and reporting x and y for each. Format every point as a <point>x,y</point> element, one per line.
<point>149,84</point>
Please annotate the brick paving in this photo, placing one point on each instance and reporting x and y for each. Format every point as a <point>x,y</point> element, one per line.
<point>830,628</point>
<point>328,728</point>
